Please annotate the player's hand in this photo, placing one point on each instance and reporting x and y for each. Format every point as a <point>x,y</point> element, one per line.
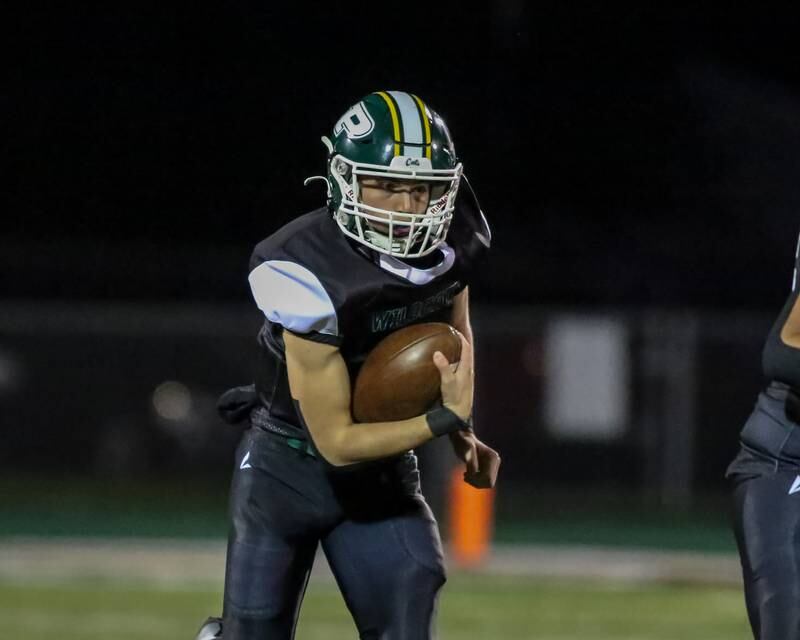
<point>465,449</point>
<point>488,464</point>
<point>457,385</point>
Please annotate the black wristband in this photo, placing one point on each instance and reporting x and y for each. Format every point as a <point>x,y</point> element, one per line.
<point>442,421</point>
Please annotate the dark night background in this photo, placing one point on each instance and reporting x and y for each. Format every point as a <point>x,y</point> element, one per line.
<point>639,168</point>
<point>624,158</point>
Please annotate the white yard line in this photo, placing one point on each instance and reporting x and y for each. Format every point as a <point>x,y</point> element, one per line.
<point>171,562</point>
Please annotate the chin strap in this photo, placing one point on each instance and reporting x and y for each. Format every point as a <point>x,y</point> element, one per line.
<point>311,179</point>
<point>329,191</point>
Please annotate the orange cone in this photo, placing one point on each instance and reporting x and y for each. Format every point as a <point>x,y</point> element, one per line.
<point>471,521</point>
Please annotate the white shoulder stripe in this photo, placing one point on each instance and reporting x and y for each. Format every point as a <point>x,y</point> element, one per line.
<point>292,296</point>
<point>796,261</point>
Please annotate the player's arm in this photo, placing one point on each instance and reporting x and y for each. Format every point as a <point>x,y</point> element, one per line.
<point>460,314</point>
<point>482,461</point>
<point>459,319</point>
<point>790,333</point>
<point>463,441</point>
<point>320,385</point>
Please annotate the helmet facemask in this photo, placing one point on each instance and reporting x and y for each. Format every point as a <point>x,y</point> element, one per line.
<point>399,234</point>
<point>392,136</point>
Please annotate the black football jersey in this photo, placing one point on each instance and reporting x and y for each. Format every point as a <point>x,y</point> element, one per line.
<point>780,361</point>
<point>310,279</point>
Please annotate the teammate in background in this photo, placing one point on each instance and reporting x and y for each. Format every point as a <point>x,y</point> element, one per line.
<point>766,479</point>
<point>396,245</point>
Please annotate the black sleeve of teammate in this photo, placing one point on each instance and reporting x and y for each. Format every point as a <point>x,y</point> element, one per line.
<point>780,361</point>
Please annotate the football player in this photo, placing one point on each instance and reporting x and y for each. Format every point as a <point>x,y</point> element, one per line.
<point>766,480</point>
<point>395,245</point>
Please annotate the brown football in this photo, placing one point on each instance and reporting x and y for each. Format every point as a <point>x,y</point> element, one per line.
<point>399,380</point>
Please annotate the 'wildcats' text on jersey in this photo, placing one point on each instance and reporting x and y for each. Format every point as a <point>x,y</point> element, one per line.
<point>392,319</point>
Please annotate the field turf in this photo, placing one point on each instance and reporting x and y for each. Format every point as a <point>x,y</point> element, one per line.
<point>471,607</point>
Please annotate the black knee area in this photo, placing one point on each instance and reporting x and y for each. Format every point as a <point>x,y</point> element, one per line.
<point>249,592</point>
<point>423,581</point>
<point>264,587</point>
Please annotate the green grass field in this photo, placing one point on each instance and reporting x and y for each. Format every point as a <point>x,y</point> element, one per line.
<point>471,607</point>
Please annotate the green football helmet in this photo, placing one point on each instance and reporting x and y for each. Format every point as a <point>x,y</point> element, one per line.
<point>392,135</point>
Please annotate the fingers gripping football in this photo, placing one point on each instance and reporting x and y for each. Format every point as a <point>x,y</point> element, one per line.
<point>457,383</point>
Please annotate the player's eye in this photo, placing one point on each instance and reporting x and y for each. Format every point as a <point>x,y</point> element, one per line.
<point>439,190</point>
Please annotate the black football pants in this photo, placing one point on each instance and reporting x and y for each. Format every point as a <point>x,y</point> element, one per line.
<point>377,532</point>
<point>767,527</point>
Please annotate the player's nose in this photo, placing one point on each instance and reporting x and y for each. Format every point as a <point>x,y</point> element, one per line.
<point>411,204</point>
<point>406,201</point>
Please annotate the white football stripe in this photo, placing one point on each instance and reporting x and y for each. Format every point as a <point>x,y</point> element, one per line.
<point>412,125</point>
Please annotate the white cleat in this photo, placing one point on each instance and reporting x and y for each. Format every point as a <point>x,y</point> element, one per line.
<point>211,630</point>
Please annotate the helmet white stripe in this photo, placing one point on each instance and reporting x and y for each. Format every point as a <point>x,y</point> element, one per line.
<point>412,125</point>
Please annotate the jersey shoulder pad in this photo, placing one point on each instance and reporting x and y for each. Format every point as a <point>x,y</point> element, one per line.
<point>292,296</point>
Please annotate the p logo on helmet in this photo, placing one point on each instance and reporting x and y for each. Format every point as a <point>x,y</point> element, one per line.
<point>356,123</point>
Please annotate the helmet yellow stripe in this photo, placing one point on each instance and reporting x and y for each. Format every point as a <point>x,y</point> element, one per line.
<point>395,120</point>
<point>425,124</point>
